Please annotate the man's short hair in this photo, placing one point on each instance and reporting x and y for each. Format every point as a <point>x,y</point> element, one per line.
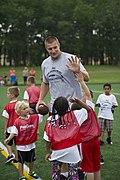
<point>51,39</point>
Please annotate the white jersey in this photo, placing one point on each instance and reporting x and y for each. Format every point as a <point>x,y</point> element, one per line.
<point>106,102</point>
<point>71,154</point>
<point>60,79</point>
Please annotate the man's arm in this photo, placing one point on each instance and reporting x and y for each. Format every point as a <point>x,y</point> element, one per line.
<point>43,92</point>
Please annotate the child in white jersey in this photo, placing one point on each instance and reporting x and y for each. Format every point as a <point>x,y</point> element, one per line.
<point>106,103</point>
<point>25,131</point>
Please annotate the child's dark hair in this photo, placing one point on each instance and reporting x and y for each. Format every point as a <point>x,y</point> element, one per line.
<point>60,107</point>
<point>107,84</point>
<point>31,79</point>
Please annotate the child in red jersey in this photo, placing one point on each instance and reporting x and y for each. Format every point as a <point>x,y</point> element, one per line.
<point>32,93</point>
<point>25,131</point>
<point>90,132</point>
<point>62,134</point>
<point>10,116</point>
<point>32,72</point>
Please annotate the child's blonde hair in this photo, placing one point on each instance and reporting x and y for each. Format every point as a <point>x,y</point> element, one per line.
<point>14,90</point>
<point>20,105</point>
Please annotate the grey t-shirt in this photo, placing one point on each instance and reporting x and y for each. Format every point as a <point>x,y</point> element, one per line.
<point>60,79</point>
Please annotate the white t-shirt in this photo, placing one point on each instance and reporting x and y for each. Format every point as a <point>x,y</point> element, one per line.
<point>106,102</point>
<point>26,96</point>
<point>71,154</point>
<point>60,79</point>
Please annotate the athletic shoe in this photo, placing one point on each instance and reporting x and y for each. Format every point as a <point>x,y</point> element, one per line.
<point>101,160</point>
<point>9,159</point>
<point>34,175</point>
<point>109,140</point>
<point>62,177</point>
<point>15,161</point>
<point>101,142</point>
<point>22,178</point>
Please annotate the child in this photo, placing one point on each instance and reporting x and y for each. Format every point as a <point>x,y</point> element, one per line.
<point>13,79</point>
<point>90,132</point>
<point>25,75</point>
<point>25,132</point>
<point>62,134</point>
<point>32,72</point>
<point>107,103</point>
<point>10,116</point>
<point>32,93</point>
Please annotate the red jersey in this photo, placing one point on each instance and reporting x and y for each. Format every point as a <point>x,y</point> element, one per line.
<point>90,128</point>
<point>34,93</point>
<point>32,73</point>
<point>65,137</point>
<point>12,72</point>
<point>27,130</point>
<point>10,109</point>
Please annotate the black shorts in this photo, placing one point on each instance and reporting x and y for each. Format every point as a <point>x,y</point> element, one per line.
<point>28,156</point>
<point>11,141</point>
<point>33,106</point>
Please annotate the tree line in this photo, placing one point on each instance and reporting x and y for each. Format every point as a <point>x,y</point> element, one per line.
<point>89,29</point>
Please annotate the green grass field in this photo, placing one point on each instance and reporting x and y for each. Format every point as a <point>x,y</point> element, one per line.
<point>110,170</point>
<point>98,74</point>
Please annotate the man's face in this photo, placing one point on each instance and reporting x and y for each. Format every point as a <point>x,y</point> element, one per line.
<point>53,49</point>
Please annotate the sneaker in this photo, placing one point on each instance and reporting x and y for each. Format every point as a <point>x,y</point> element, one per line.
<point>34,175</point>
<point>109,140</point>
<point>101,142</point>
<point>62,177</point>
<point>22,178</point>
<point>9,159</point>
<point>101,160</point>
<point>15,161</point>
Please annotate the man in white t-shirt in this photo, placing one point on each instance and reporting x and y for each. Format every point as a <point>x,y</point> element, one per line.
<point>58,73</point>
<point>106,103</point>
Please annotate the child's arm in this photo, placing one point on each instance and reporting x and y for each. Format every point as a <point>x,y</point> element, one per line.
<point>81,103</point>
<point>80,78</point>
<point>48,147</point>
<point>9,138</point>
<point>5,125</point>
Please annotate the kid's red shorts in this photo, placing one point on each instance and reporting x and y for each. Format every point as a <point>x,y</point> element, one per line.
<point>91,156</point>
